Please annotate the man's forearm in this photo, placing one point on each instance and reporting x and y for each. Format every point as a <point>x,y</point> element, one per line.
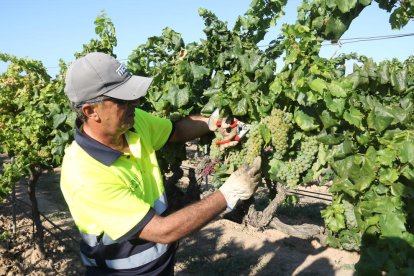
<point>184,221</point>
<point>189,128</point>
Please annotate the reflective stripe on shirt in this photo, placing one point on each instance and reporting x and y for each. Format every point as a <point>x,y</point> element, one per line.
<point>133,261</point>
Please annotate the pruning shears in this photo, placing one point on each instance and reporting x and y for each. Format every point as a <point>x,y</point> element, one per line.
<point>241,131</point>
<point>239,127</point>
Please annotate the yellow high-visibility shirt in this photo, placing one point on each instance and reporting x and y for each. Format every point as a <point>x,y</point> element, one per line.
<point>112,192</point>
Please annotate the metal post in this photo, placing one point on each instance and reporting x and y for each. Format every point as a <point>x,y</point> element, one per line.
<point>14,203</point>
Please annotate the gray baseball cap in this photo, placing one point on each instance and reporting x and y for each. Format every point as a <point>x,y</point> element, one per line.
<point>99,74</point>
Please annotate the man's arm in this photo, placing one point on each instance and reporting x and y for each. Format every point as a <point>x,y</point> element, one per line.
<point>239,186</point>
<point>185,221</point>
<point>189,128</point>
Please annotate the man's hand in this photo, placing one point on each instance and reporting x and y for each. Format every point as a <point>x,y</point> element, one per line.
<point>225,130</point>
<point>242,183</point>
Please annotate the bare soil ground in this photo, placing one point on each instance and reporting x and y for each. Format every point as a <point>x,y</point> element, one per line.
<point>222,247</point>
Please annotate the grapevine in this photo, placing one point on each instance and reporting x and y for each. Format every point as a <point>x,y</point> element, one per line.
<point>309,121</point>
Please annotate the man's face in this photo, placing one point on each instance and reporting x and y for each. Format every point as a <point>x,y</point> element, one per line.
<point>117,115</point>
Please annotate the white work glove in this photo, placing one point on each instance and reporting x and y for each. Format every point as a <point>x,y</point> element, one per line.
<point>242,183</point>
<point>224,129</point>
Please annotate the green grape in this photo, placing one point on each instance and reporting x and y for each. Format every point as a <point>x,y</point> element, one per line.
<point>253,145</point>
<point>215,152</point>
<point>291,171</point>
<point>236,157</point>
<point>279,124</point>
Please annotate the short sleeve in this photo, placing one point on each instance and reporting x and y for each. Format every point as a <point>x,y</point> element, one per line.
<point>157,130</point>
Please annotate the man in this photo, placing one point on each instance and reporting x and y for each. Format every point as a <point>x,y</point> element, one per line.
<point>111,180</point>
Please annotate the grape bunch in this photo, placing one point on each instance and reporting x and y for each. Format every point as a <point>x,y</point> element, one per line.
<point>253,145</point>
<point>279,123</point>
<point>215,152</point>
<point>236,157</point>
<point>308,149</point>
<point>290,171</point>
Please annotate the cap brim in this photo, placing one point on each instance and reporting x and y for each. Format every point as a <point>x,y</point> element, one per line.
<point>135,87</point>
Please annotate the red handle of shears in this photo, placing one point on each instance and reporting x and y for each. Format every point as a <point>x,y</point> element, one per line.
<point>222,142</point>
<point>233,125</point>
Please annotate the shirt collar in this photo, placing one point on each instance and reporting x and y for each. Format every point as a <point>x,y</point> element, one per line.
<point>98,151</point>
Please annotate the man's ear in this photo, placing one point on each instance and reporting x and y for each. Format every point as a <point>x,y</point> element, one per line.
<point>90,112</point>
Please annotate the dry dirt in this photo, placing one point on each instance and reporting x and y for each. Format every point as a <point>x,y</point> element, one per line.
<point>222,247</point>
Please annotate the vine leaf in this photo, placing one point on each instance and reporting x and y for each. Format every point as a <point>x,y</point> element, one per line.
<point>354,117</point>
<point>318,85</point>
<point>58,119</point>
<point>379,119</point>
<point>178,97</point>
<point>239,108</point>
<point>336,90</point>
<point>346,5</point>
<point>304,121</point>
<point>406,153</point>
<point>199,71</point>
<point>392,225</point>
<point>363,175</point>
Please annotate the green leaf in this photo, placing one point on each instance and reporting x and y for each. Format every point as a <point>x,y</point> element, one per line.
<point>365,2</point>
<point>354,117</point>
<point>178,97</point>
<point>398,80</point>
<point>388,175</point>
<point>292,55</point>
<point>392,225</point>
<point>343,149</point>
<point>379,119</point>
<point>304,121</point>
<point>249,61</point>
<point>408,173</point>
<point>380,205</point>
<point>386,157</point>
<point>331,139</point>
<point>318,85</point>
<point>342,167</point>
<point>406,153</point>
<point>266,134</point>
<point>328,120</point>
<point>337,90</point>
<point>275,166</point>
<point>199,71</point>
<point>218,80</point>
<point>334,218</point>
<point>398,189</point>
<point>335,105</point>
<point>346,5</point>
<point>58,119</point>
<point>334,28</point>
<point>276,86</point>
<point>350,217</point>
<point>362,176</point>
<point>239,108</point>
<point>383,73</point>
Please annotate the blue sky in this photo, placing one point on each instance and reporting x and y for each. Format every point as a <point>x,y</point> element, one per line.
<point>50,30</point>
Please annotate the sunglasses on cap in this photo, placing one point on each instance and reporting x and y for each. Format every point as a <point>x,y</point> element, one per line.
<point>103,98</point>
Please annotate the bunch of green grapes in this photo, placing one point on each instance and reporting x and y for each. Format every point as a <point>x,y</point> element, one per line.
<point>215,152</point>
<point>290,171</point>
<point>279,123</point>
<point>308,149</point>
<point>253,145</point>
<point>236,157</point>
